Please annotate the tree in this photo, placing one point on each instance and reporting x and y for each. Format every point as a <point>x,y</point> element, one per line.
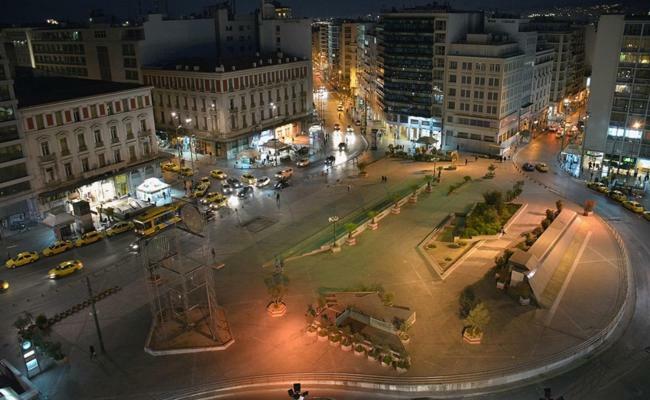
<point>559,205</point>
<point>494,198</point>
<point>277,286</point>
<point>37,330</point>
<point>477,320</point>
<point>362,166</point>
<point>467,178</point>
<point>589,206</point>
<point>466,301</point>
<point>491,168</point>
<point>349,228</point>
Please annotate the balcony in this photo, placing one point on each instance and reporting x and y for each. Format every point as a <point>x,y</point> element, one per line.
<point>130,136</point>
<point>96,171</point>
<point>144,133</point>
<point>47,158</point>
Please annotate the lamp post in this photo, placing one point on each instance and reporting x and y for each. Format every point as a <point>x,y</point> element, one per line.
<point>187,122</point>
<point>333,220</point>
<point>177,125</point>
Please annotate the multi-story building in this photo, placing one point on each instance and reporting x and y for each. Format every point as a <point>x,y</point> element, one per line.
<point>541,88</point>
<point>15,186</point>
<point>99,51</point>
<point>484,87</point>
<point>348,56</point>
<point>368,72</point>
<point>617,139</point>
<point>413,46</point>
<point>18,45</point>
<point>85,138</point>
<point>569,74</point>
<point>231,106</point>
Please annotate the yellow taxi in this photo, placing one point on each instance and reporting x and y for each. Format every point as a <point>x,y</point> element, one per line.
<point>119,227</point>
<point>646,215</point>
<point>186,171</point>
<point>170,166</point>
<point>213,197</point>
<point>4,285</point>
<point>201,189</point>
<point>24,258</point>
<point>218,174</point>
<point>598,186</point>
<point>617,195</point>
<point>205,179</point>
<point>57,247</point>
<point>634,206</point>
<point>249,179</point>
<point>65,268</point>
<point>88,238</point>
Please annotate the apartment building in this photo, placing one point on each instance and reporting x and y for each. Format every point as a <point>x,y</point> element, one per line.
<point>368,71</point>
<point>617,138</point>
<point>229,106</point>
<point>413,46</point>
<point>86,139</point>
<point>569,74</point>
<point>484,87</point>
<point>15,186</point>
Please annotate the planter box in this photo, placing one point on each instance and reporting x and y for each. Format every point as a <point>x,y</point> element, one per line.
<point>312,333</point>
<point>276,310</point>
<point>471,339</point>
<point>351,241</point>
<point>524,301</point>
<point>346,347</point>
<point>373,226</point>
<point>501,285</point>
<point>359,353</point>
<point>322,338</point>
<point>395,210</point>
<point>335,249</point>
<point>405,339</point>
<point>413,199</point>
<point>588,213</point>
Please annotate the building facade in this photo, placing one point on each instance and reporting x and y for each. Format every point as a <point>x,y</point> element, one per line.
<point>617,139</point>
<point>100,52</point>
<point>413,46</point>
<point>368,93</point>
<point>15,179</point>
<point>485,84</point>
<point>86,139</point>
<point>233,106</point>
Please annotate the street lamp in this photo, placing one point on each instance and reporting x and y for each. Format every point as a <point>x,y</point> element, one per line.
<point>333,220</point>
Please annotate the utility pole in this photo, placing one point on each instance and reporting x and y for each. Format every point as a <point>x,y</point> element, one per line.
<point>92,302</point>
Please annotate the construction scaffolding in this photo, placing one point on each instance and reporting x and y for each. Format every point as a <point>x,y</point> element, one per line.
<point>184,307</point>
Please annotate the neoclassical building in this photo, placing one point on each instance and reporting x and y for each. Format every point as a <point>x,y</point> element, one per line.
<point>86,139</point>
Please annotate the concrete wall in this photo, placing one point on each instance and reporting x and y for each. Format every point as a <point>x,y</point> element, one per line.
<point>294,35</point>
<point>609,37</point>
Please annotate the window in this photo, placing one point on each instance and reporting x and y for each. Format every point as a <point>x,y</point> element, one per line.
<point>6,113</point>
<point>451,105</point>
<point>452,92</point>
<point>45,149</point>
<point>129,130</point>
<point>128,50</point>
<point>143,125</point>
<point>114,137</point>
<point>453,65</point>
<point>49,175</point>
<point>102,160</point>
<point>68,170</point>
<point>130,62</point>
<point>131,75</point>
<point>63,142</point>
<point>98,138</point>
<point>100,34</point>
<point>132,156</point>
<point>81,140</point>
<point>84,165</point>
<point>117,155</point>
<point>452,78</point>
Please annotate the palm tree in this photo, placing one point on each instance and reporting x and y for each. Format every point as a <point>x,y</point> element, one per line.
<point>350,228</point>
<point>277,287</point>
<point>477,320</point>
<point>373,219</point>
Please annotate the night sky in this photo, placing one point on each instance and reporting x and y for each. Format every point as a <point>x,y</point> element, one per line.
<point>25,11</point>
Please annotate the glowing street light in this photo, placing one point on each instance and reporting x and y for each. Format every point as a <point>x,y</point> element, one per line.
<point>333,220</point>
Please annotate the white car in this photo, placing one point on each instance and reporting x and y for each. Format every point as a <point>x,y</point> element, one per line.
<point>303,162</point>
<point>263,181</point>
<point>284,174</point>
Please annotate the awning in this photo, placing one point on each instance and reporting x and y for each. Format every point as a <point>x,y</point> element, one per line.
<point>249,153</point>
<point>428,140</point>
<point>275,144</point>
<point>61,219</point>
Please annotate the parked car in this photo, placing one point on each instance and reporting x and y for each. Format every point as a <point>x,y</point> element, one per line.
<point>88,238</point>
<point>528,167</point>
<point>120,227</point>
<point>330,160</point>
<point>57,247</point>
<point>337,127</point>
<point>246,192</point>
<point>234,183</point>
<point>248,179</point>
<point>357,123</point>
<point>281,184</point>
<point>24,258</point>
<point>617,195</point>
<point>170,166</point>
<point>212,197</point>
<point>284,174</point>
<point>263,181</point>
<point>541,167</point>
<point>201,189</point>
<point>206,179</point>
<point>65,268</point>
<point>598,186</point>
<point>303,162</point>
<point>218,174</point>
<point>646,215</point>
<point>634,206</point>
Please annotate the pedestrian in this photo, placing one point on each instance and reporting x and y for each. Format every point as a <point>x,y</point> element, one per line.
<point>91,350</point>
<point>349,187</point>
<point>214,255</point>
<point>277,198</point>
<point>465,161</point>
<point>475,158</point>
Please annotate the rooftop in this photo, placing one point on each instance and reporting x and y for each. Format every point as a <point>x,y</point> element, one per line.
<point>34,91</point>
<point>198,64</point>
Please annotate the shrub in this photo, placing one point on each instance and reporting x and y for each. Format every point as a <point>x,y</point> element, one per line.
<point>470,232</point>
<point>550,214</point>
<point>589,205</point>
<point>477,319</point>
<point>448,259</point>
<point>431,246</point>
<point>467,178</point>
<point>546,223</point>
<point>559,205</point>
<point>538,231</point>
<point>453,245</point>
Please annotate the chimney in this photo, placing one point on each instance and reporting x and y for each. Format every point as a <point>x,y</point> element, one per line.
<point>270,61</point>
<point>187,68</point>
<point>254,65</point>
<point>179,67</point>
<point>196,68</point>
<point>261,62</point>
<point>233,68</point>
<point>287,59</point>
<point>219,68</point>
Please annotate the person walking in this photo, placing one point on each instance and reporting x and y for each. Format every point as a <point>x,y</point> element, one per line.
<point>465,161</point>
<point>349,187</point>
<point>277,199</point>
<point>93,353</point>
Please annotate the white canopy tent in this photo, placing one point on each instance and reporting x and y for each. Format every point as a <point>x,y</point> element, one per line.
<point>154,191</point>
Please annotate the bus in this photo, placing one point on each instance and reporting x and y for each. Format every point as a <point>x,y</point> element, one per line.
<point>156,219</point>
